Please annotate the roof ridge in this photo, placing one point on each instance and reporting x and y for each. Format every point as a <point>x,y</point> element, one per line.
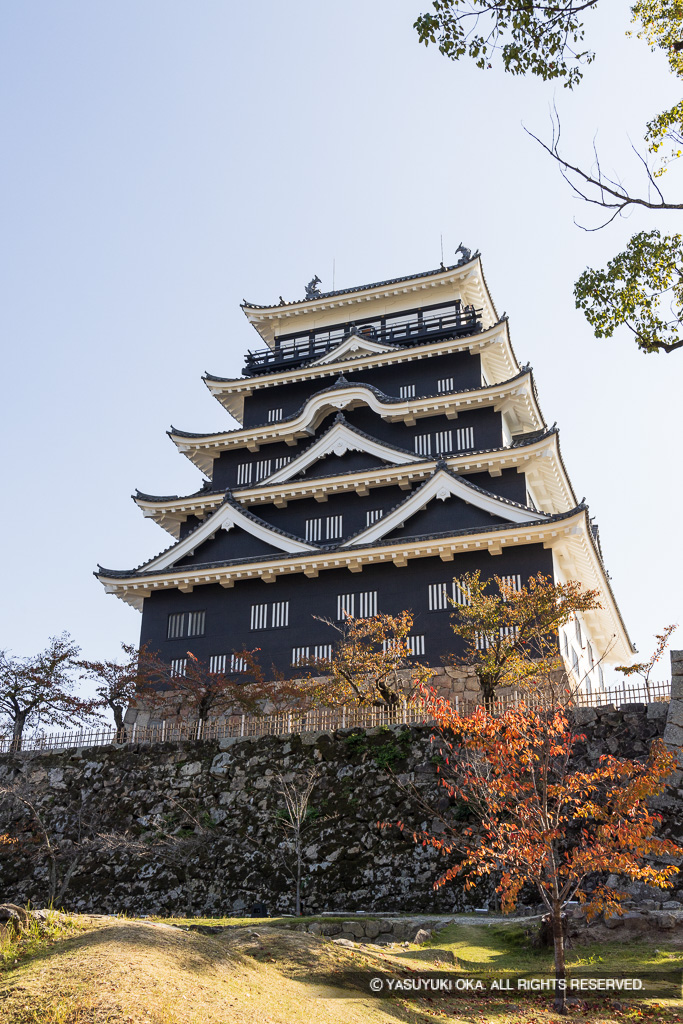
<point>366,287</point>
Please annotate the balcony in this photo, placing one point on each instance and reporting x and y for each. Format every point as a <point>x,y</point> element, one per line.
<point>405,329</point>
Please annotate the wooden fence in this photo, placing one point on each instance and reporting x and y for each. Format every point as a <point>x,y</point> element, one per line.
<point>317,720</point>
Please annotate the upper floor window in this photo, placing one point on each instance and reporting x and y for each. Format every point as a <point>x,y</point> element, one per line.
<point>269,615</point>
<point>575,664</point>
<point>577,630</point>
<point>363,605</point>
<point>263,469</point>
<point>407,391</point>
<point>589,652</point>
<point>314,529</point>
<point>438,594</point>
<point>485,640</point>
<point>373,515</point>
<point>182,624</point>
<point>179,666</point>
<point>423,444</point>
<point>445,384</point>
<point>333,527</point>
<point>224,664</point>
<point>244,470</point>
<point>283,461</point>
<point>514,582</point>
<point>414,644</point>
<point>443,442</point>
<point>274,415</point>
<point>300,655</point>
<point>464,438</point>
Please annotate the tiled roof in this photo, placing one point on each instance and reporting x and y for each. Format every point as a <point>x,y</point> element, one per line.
<point>125,573</point>
<point>227,500</point>
<point>365,287</point>
<point>340,383</point>
<point>520,441</point>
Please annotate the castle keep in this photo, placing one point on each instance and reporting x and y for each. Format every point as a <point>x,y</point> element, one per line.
<point>387,441</point>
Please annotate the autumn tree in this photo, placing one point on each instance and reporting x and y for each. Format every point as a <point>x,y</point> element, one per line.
<point>640,288</point>
<point>538,822</point>
<point>371,662</point>
<point>118,683</point>
<point>511,635</point>
<point>644,669</point>
<point>201,693</point>
<point>39,688</point>
<point>295,819</point>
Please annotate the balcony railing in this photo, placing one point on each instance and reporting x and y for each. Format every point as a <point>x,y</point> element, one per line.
<point>403,330</point>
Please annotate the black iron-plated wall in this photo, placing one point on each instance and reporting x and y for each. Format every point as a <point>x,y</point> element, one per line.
<point>228,611</point>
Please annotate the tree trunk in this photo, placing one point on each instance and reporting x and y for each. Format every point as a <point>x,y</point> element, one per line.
<point>559,1004</point>
<point>18,731</point>
<point>118,722</point>
<point>488,685</point>
<point>297,901</point>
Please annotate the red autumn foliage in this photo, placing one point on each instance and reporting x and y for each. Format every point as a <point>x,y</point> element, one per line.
<point>538,820</point>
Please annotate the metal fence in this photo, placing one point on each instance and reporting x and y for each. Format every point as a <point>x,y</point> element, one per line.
<point>317,720</point>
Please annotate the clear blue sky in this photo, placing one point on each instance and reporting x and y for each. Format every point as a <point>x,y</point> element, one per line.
<point>163,160</point>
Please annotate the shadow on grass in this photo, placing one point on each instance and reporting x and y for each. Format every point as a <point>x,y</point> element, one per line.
<point>192,952</point>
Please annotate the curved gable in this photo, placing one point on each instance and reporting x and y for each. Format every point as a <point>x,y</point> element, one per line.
<point>443,485</point>
<point>340,439</point>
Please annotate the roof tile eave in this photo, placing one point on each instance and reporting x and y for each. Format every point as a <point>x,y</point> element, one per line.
<point>174,432</point>
<point>363,287</point>
<point>520,441</point>
<point>332,550</point>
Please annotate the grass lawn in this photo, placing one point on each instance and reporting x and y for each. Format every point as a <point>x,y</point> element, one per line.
<point>126,971</point>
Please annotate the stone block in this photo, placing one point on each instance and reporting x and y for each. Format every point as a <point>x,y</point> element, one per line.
<point>384,938</point>
<point>676,656</point>
<point>372,929</point>
<point>673,735</point>
<point>583,716</point>
<point>219,765</point>
<point>353,928</point>
<point>421,936</point>
<point>677,687</point>
<point>675,715</point>
<point>193,768</point>
<point>316,928</point>
<point>663,919</point>
<point>671,905</point>
<point>330,928</point>
<point>657,710</point>
<point>345,939</point>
